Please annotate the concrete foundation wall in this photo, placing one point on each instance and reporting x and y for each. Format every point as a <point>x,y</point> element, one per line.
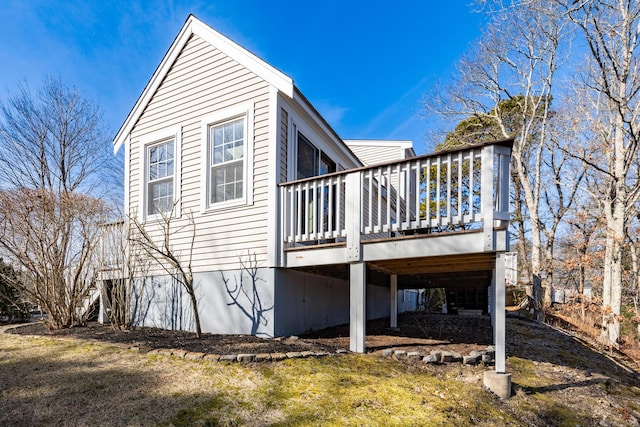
<point>306,302</point>
<point>264,302</point>
<point>229,302</point>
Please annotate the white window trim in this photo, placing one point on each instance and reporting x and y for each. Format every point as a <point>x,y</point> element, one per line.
<point>147,141</point>
<point>244,111</point>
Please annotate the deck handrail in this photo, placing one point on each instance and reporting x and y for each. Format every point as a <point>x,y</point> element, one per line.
<point>456,189</point>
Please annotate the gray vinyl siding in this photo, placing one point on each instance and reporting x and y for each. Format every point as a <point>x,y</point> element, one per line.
<point>203,81</point>
<point>375,154</point>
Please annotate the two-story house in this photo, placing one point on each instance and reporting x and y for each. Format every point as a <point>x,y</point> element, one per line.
<point>295,228</point>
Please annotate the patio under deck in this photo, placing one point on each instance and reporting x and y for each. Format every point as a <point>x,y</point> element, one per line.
<point>431,221</point>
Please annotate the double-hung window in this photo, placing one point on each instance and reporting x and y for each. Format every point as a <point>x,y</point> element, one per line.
<point>226,148</point>
<point>227,166</point>
<point>160,177</point>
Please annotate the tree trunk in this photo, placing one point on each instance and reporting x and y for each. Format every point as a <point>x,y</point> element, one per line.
<point>194,308</point>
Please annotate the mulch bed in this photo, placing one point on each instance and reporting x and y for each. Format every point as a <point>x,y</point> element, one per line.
<point>415,331</point>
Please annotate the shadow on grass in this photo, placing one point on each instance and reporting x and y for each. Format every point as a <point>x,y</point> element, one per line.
<point>74,384</point>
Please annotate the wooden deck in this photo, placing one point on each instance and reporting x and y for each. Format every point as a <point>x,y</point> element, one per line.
<point>432,221</point>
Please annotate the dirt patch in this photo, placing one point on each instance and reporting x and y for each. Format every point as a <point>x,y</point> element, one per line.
<point>415,332</point>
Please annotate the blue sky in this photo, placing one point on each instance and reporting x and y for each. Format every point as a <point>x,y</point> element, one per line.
<point>364,65</point>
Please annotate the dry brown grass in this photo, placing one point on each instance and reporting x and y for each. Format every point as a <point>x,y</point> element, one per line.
<point>62,381</point>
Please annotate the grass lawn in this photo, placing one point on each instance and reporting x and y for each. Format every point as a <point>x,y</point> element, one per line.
<point>52,381</point>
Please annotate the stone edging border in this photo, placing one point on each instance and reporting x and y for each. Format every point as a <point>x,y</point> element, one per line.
<point>184,354</point>
<point>231,358</point>
<point>486,357</point>
<point>474,357</point>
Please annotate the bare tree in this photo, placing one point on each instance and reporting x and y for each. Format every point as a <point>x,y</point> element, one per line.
<point>507,82</point>
<point>123,275</point>
<point>53,241</point>
<point>155,239</point>
<point>610,102</point>
<point>51,146</point>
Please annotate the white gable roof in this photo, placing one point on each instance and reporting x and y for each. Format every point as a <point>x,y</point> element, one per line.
<point>236,52</point>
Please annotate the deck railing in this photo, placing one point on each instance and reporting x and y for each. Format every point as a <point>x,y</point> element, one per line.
<point>461,189</point>
<point>112,245</point>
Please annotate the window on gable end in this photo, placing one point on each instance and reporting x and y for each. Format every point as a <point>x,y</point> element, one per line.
<point>160,170</point>
<point>227,145</point>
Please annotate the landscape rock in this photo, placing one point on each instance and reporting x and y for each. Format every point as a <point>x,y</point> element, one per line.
<point>263,357</point>
<point>469,360</point>
<point>432,358</point>
<point>278,356</point>
<point>446,357</point>
<point>228,358</point>
<point>486,359</point>
<point>294,355</point>
<point>246,357</point>
<point>194,356</point>
<point>475,353</point>
<point>437,354</point>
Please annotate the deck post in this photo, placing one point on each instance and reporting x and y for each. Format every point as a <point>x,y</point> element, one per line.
<point>486,195</point>
<point>393,298</point>
<point>353,215</point>
<point>499,317</point>
<point>357,306</point>
<point>103,317</point>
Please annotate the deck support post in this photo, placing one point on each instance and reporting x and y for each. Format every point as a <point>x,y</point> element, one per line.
<point>103,317</point>
<point>499,317</point>
<point>393,300</point>
<point>357,306</point>
<point>486,196</point>
<point>498,381</point>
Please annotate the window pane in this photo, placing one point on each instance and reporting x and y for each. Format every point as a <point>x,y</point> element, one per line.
<point>217,135</point>
<point>217,155</point>
<point>228,133</point>
<point>160,178</point>
<point>226,167</point>
<point>160,194</point>
<point>153,172</point>
<point>153,154</point>
<point>326,165</point>
<point>307,158</point>
<point>239,129</point>
<point>239,149</point>
<point>227,182</point>
<point>228,152</point>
